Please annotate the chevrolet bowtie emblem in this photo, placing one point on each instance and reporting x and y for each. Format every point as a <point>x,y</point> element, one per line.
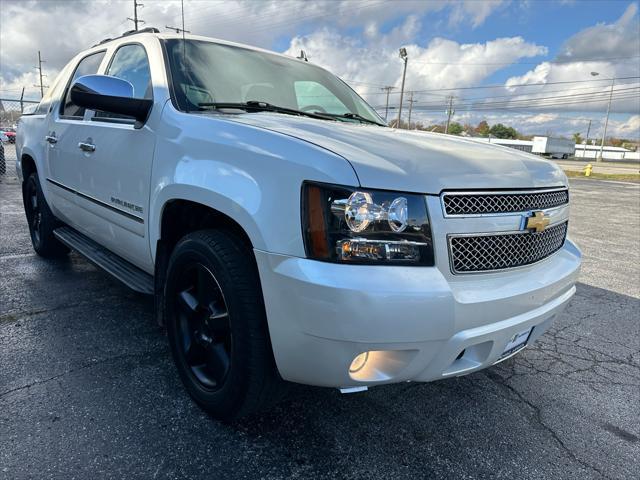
<point>537,222</point>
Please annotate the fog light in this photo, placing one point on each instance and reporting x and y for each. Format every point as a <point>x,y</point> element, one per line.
<point>359,362</point>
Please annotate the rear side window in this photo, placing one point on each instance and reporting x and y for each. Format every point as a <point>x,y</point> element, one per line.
<point>88,66</point>
<point>130,63</point>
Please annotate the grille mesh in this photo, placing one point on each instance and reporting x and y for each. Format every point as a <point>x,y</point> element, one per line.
<point>496,252</point>
<point>470,204</point>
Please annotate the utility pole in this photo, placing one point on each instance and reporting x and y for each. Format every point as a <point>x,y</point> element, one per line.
<point>450,113</point>
<point>39,67</point>
<point>403,56</point>
<point>411,102</point>
<point>21,101</point>
<point>386,108</point>
<point>606,121</point>
<point>135,18</point>
<point>586,141</point>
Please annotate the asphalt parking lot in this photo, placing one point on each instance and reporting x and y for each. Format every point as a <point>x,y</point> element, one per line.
<point>88,389</point>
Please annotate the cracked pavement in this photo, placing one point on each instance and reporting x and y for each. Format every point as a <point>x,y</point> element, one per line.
<point>88,389</point>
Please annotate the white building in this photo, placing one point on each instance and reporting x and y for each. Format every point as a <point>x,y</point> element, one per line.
<point>524,145</point>
<point>608,153</point>
<point>582,151</point>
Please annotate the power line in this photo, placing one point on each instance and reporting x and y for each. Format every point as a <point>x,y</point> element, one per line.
<point>555,62</point>
<point>536,99</point>
<point>537,93</point>
<point>521,85</point>
<point>533,105</point>
<point>540,101</point>
<point>479,87</point>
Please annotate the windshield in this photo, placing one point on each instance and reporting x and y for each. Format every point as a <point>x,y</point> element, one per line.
<point>207,73</point>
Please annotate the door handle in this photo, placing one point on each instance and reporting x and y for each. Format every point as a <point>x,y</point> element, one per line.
<point>51,139</point>
<point>87,147</point>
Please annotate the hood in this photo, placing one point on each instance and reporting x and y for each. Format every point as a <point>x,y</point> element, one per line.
<point>413,161</point>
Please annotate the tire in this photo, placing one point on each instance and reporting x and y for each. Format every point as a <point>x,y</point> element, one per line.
<point>217,326</point>
<point>41,220</point>
<point>3,163</point>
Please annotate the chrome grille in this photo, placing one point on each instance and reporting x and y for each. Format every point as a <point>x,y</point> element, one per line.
<point>458,203</point>
<point>481,253</point>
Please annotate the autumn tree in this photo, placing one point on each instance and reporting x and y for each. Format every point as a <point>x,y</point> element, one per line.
<point>483,128</point>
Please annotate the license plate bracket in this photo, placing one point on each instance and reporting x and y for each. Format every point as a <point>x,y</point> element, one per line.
<point>516,343</point>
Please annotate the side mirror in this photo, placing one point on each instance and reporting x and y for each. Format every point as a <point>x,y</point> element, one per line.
<point>109,94</point>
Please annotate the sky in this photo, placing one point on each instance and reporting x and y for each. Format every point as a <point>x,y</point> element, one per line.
<point>532,59</point>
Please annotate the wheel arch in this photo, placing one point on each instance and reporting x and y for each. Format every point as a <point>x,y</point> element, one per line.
<point>27,166</point>
<point>178,216</point>
<point>201,207</point>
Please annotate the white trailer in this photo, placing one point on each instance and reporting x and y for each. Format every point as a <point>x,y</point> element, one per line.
<point>553,147</point>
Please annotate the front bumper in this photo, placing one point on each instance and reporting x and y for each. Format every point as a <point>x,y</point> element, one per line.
<point>414,321</point>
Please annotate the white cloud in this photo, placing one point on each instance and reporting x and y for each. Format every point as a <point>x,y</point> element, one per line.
<point>612,50</point>
<point>351,38</point>
<point>620,38</point>
<point>629,128</point>
<point>474,10</point>
<point>61,28</point>
<point>378,64</point>
<point>540,119</point>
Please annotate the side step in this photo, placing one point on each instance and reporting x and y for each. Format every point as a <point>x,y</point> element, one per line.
<point>124,271</point>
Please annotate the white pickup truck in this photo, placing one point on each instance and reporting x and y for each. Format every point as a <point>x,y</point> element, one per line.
<point>286,232</point>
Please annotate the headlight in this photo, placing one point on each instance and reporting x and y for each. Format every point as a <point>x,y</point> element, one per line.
<point>357,225</point>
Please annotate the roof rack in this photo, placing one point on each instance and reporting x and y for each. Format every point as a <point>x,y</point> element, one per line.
<point>128,33</point>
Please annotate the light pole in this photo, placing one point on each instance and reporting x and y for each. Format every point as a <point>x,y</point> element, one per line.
<point>606,120</point>
<point>403,56</point>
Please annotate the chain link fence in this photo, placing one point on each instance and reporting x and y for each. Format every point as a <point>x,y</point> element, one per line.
<point>10,111</point>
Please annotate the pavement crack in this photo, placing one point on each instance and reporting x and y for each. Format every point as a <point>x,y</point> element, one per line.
<point>85,366</point>
<point>17,315</point>
<point>496,378</point>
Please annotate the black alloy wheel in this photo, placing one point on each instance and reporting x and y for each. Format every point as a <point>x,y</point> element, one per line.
<point>217,326</point>
<point>204,326</point>
<point>34,214</point>
<point>41,220</point>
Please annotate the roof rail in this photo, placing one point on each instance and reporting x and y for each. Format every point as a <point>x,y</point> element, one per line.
<point>142,30</point>
<point>128,33</point>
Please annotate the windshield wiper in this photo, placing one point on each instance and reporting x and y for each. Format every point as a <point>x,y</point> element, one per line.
<point>352,115</point>
<point>256,106</point>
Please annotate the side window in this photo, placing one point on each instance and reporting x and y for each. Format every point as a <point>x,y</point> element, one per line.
<point>312,94</point>
<point>130,63</point>
<point>88,66</point>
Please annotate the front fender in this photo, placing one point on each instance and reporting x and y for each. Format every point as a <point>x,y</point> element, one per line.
<point>250,174</point>
<point>204,196</point>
